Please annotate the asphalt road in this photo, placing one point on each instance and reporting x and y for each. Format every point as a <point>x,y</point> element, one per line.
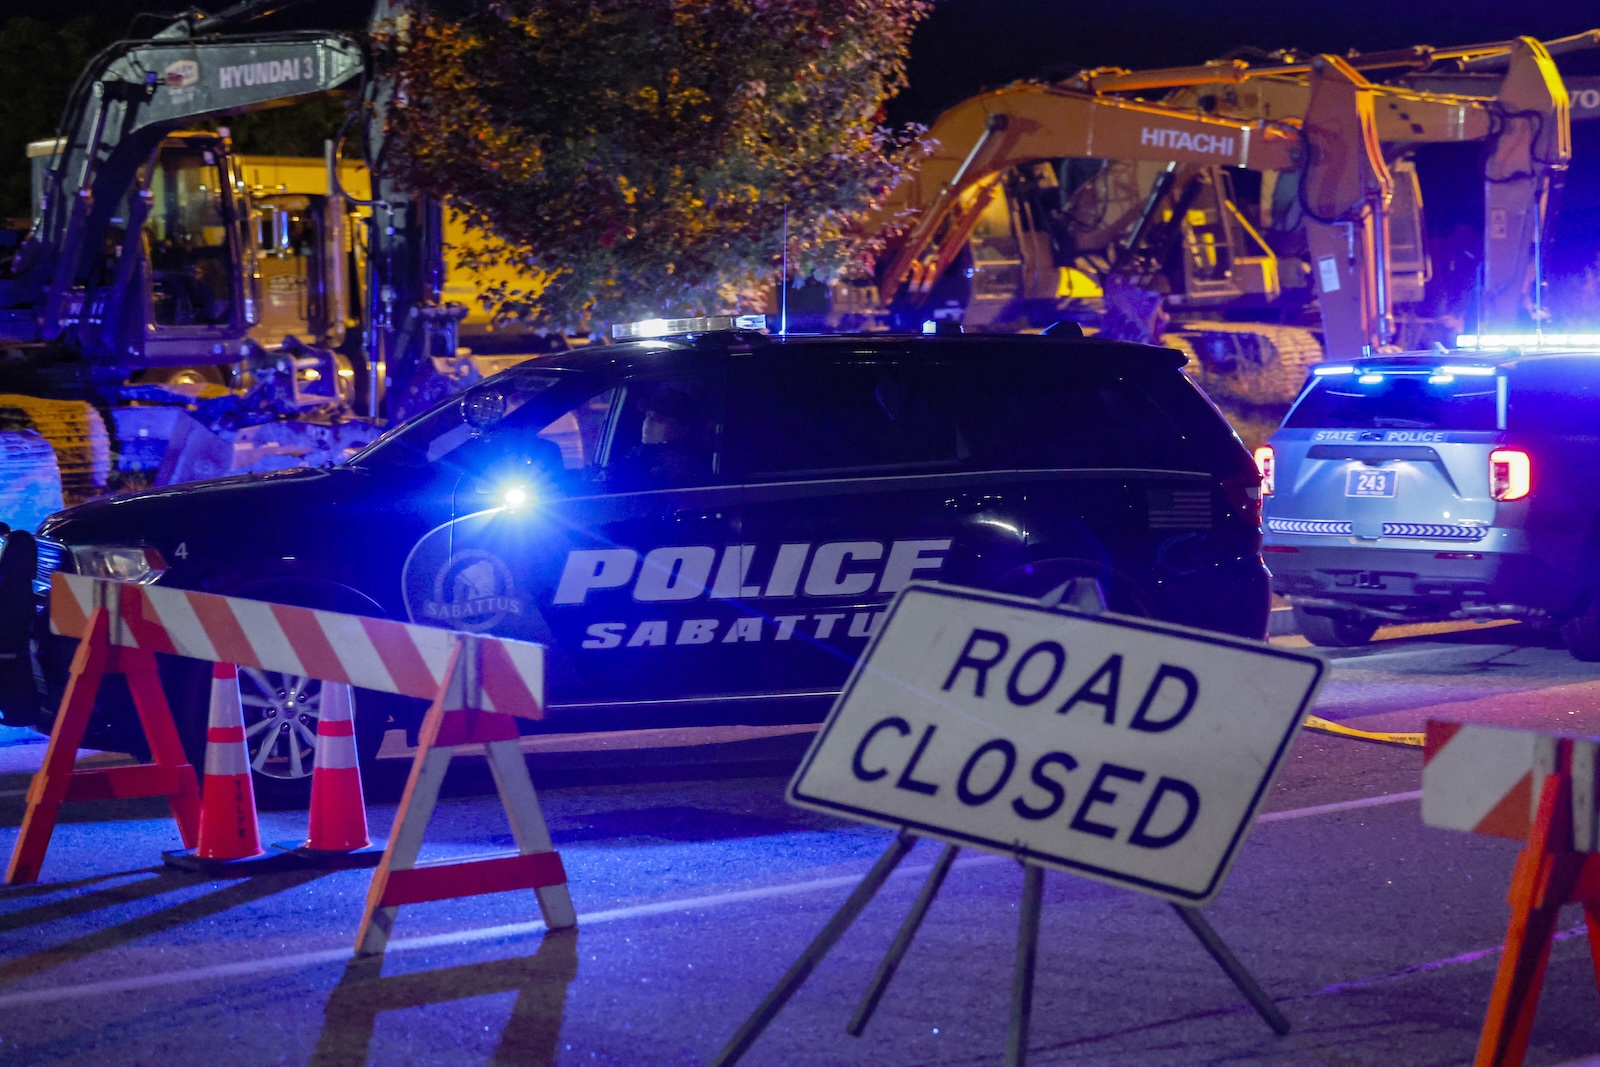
<point>696,887</point>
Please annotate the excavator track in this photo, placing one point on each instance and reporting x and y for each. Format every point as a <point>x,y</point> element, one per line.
<point>1251,370</point>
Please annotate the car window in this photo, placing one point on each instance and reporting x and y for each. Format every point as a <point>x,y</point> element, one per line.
<point>1394,401</point>
<point>1022,414</point>
<point>668,434</point>
<point>800,419</point>
<point>544,425</point>
<point>992,413</point>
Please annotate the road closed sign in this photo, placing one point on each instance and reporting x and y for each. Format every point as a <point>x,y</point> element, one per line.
<point>1120,749</point>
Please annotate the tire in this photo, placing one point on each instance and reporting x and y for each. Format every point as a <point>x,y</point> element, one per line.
<point>1581,633</point>
<point>1334,631</point>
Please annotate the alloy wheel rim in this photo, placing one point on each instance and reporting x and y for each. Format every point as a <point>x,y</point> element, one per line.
<point>280,722</point>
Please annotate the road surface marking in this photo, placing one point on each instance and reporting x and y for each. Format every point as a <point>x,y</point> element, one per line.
<point>250,968</point>
<point>1342,805</point>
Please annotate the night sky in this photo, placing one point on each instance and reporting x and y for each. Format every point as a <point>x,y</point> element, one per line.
<point>969,45</point>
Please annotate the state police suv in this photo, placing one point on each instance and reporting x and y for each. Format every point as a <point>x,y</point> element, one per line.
<point>708,528</point>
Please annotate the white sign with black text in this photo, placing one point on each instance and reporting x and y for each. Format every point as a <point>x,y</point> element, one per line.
<point>1126,750</point>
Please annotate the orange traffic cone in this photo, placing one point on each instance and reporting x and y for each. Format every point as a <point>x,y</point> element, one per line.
<point>338,810</point>
<point>228,829</point>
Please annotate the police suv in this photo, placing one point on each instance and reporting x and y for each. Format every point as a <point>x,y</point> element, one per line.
<point>1440,485</point>
<point>707,528</point>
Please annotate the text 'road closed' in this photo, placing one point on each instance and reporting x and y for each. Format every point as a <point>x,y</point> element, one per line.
<point>1116,748</point>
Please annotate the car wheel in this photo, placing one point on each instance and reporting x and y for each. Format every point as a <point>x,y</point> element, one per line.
<point>1581,633</point>
<point>280,728</point>
<point>281,712</point>
<point>1334,631</point>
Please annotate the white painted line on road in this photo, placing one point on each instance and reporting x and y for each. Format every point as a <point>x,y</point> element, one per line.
<point>251,968</point>
<point>1343,805</point>
<point>1474,651</point>
<point>13,793</point>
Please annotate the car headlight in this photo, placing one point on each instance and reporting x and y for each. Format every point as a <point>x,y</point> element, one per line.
<point>121,563</point>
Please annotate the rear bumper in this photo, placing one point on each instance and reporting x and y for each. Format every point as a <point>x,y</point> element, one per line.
<point>1438,582</point>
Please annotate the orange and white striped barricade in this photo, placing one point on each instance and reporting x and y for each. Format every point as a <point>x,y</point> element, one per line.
<point>105,649</point>
<point>499,680</point>
<point>477,675</point>
<point>1533,787</point>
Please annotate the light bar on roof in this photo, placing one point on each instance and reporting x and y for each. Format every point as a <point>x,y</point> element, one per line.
<point>675,327</point>
<point>1526,340</point>
<point>1467,370</point>
<point>1325,370</point>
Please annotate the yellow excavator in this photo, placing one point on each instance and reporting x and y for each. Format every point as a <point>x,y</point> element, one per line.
<point>1527,124</point>
<point>1145,206</point>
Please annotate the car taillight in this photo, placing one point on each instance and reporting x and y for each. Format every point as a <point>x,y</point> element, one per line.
<point>1267,464</point>
<point>1245,496</point>
<point>1510,474</point>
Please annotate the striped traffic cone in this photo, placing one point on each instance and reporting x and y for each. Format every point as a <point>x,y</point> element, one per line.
<point>227,799</point>
<point>338,810</point>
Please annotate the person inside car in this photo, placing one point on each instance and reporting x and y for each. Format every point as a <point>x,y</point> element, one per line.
<point>671,450</point>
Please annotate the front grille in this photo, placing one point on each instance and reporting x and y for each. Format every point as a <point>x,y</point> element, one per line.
<point>1310,526</point>
<point>1437,531</point>
<point>52,558</point>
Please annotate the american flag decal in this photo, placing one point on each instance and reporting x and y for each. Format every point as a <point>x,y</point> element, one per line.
<point>1179,509</point>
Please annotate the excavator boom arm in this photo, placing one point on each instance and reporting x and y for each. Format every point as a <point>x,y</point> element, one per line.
<point>136,92</point>
<point>994,131</point>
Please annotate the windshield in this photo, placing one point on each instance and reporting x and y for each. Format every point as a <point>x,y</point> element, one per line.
<point>1381,400</point>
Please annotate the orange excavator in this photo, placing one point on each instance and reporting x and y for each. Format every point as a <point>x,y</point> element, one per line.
<point>1146,193</point>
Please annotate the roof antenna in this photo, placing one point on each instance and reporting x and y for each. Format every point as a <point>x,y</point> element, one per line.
<point>783,283</point>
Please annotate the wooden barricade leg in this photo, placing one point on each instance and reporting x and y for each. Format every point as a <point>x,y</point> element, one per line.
<point>400,880</point>
<point>49,786</point>
<point>511,778</point>
<point>1546,872</point>
<point>421,796</point>
<point>56,782</point>
<point>161,731</point>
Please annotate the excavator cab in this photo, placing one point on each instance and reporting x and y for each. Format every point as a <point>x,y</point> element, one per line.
<point>1409,264</point>
<point>304,248</point>
<point>1225,259</point>
<point>174,274</point>
<point>192,239</point>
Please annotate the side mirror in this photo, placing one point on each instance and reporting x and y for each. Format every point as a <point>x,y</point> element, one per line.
<point>481,409</point>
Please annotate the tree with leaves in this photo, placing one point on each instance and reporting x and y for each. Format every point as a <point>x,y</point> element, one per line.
<point>641,155</point>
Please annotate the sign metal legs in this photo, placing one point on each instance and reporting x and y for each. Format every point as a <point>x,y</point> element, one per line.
<point>902,941</point>
<point>1022,973</point>
<point>859,898</point>
<point>1234,969</point>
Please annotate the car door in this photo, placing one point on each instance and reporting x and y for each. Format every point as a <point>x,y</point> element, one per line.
<point>852,487</point>
<point>605,548</point>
